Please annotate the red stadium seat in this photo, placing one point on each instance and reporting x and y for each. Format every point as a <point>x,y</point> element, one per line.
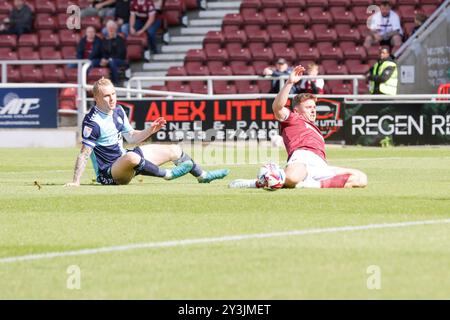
<point>178,5</point>
<point>193,64</point>
<point>13,74</point>
<point>134,52</point>
<point>239,54</point>
<point>352,51</point>
<point>49,53</point>
<point>319,16</point>
<point>48,38</point>
<point>328,51</point>
<point>214,37</point>
<point>138,40</point>
<point>246,87</point>
<point>156,88</point>
<point>45,6</point>
<point>53,73</point>
<point>272,3</point>
<point>253,18</point>
<point>365,3</point>
<point>223,87</point>
<point>199,87</point>
<point>342,15</point>
<point>232,19</point>
<point>8,54</point>
<point>256,34</point>
<point>191,4</point>
<point>195,55</point>
<point>300,34</point>
<point>406,13</point>
<point>178,86</point>
<point>296,16</point>
<point>69,52</point>
<point>28,53</point>
<point>28,40</point>
<point>5,7</point>
<point>242,69</point>
<point>333,68</point>
<point>30,73</point>
<point>256,4</point>
<point>281,50</point>
<point>93,21</point>
<point>294,4</point>
<point>62,5</point>
<point>71,74</point>
<point>275,17</point>
<point>278,34</point>
<point>218,69</point>
<point>172,17</point>
<point>176,71</point>
<point>306,52</point>
<point>428,9</point>
<point>361,14</point>
<point>44,21</point>
<point>235,36</point>
<point>347,33</point>
<point>211,46</point>
<point>217,54</point>
<point>317,3</point>
<point>340,3</point>
<point>200,71</point>
<point>259,66</point>
<point>265,54</point>
<point>373,52</point>
<point>8,40</point>
<point>342,89</point>
<point>97,73</point>
<point>323,33</point>
<point>356,67</point>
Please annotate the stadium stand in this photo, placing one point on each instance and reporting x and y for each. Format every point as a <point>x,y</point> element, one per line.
<point>329,33</point>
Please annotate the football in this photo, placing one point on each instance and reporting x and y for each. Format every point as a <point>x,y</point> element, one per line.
<point>271,177</point>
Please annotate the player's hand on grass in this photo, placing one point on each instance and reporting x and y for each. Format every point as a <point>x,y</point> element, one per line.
<point>296,74</point>
<point>72,184</point>
<point>158,124</point>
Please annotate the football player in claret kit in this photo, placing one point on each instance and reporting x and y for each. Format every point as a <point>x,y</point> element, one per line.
<point>102,131</point>
<point>307,166</point>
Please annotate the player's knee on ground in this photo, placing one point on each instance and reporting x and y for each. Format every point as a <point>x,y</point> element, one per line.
<point>294,175</point>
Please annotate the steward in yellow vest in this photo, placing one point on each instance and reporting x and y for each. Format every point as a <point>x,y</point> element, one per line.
<point>383,76</point>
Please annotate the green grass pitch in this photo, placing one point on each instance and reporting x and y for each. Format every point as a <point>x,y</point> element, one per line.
<point>405,184</point>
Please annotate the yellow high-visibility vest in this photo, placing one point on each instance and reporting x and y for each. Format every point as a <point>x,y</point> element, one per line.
<point>390,86</point>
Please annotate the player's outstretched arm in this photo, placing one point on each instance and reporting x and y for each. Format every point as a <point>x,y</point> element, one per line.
<point>80,165</point>
<point>281,99</point>
<point>138,136</point>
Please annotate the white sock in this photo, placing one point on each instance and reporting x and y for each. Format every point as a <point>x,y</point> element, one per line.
<point>168,175</point>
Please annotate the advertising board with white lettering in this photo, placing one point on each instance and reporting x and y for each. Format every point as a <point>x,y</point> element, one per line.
<point>404,124</point>
<point>231,119</point>
<point>28,108</point>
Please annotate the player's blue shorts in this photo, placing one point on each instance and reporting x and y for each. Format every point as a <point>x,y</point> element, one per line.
<point>105,177</point>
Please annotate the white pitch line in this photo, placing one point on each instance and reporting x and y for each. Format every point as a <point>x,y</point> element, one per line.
<point>186,242</point>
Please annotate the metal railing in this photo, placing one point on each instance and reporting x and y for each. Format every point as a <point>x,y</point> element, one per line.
<point>82,67</point>
<point>210,81</point>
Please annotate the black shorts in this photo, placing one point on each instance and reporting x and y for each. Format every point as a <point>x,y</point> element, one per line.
<point>105,177</point>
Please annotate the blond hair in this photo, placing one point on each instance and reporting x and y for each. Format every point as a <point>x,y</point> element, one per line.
<point>103,82</point>
<point>302,97</point>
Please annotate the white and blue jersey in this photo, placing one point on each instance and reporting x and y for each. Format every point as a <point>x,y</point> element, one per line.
<point>103,133</point>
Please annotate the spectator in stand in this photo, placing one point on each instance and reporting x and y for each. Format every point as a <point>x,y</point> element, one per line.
<point>383,76</point>
<point>99,8</point>
<point>20,19</point>
<point>114,51</point>
<point>90,47</point>
<point>121,17</point>
<point>281,69</point>
<point>143,19</point>
<point>314,86</point>
<point>385,28</point>
<point>419,19</point>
